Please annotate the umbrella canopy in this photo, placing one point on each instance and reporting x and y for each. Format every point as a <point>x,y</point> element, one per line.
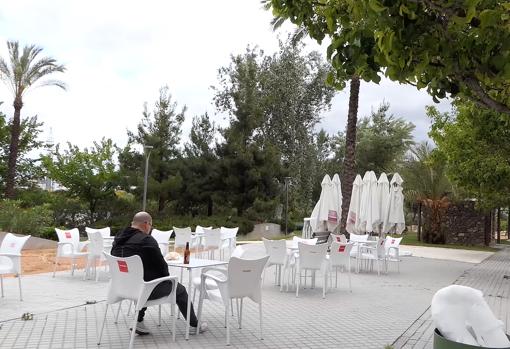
<point>394,221</point>
<point>369,208</point>
<point>354,206</point>
<point>338,195</point>
<point>383,196</point>
<point>325,215</point>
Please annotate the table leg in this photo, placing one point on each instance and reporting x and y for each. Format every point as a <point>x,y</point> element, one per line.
<point>189,303</point>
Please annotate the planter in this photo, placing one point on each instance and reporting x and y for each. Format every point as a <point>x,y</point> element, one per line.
<point>442,343</point>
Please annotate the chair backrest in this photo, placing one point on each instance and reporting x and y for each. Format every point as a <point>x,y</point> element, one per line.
<point>245,277</point>
<point>392,242</point>
<point>72,236</point>
<point>249,251</point>
<point>340,254</point>
<point>312,256</point>
<point>200,230</point>
<point>96,245</point>
<point>182,236</point>
<point>305,241</point>
<point>381,250</point>
<point>161,236</point>
<point>358,238</point>
<point>276,250</point>
<point>127,278</point>
<point>228,233</point>
<point>338,238</point>
<point>212,238</point>
<point>13,244</point>
<point>105,232</point>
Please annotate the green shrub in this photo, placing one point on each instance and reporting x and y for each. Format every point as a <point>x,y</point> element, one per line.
<point>166,223</point>
<point>32,220</point>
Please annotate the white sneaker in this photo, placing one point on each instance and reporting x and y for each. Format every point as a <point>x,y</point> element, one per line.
<point>203,327</point>
<point>141,329</point>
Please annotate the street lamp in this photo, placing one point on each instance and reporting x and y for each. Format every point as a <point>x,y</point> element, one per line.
<point>287,183</point>
<point>147,156</point>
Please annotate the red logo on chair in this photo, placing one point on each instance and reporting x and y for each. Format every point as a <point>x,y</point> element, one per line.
<point>392,241</point>
<point>68,235</point>
<point>332,216</point>
<point>338,239</point>
<point>341,248</point>
<point>123,268</point>
<point>12,245</point>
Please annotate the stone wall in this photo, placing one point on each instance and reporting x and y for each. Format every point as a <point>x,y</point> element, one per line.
<point>464,224</point>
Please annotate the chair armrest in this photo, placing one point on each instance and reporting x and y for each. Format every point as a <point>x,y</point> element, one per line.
<point>82,244</point>
<point>10,255</point>
<point>220,269</point>
<point>396,248</point>
<point>149,286</point>
<point>215,278</point>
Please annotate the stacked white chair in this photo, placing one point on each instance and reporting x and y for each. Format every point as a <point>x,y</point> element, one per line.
<point>338,238</point>
<point>228,240</point>
<point>392,248</point>
<point>279,257</point>
<point>182,236</point>
<point>10,258</point>
<point>375,254</point>
<point>127,284</point>
<point>105,232</point>
<point>212,241</point>
<point>340,257</point>
<point>95,254</point>
<point>241,279</point>
<point>313,258</point>
<point>69,246</point>
<point>162,237</point>
<point>198,239</point>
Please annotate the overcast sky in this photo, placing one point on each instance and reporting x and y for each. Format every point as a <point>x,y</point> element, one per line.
<point>119,53</point>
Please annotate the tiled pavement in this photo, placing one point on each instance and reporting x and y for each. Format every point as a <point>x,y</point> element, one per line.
<point>375,314</point>
<point>491,277</point>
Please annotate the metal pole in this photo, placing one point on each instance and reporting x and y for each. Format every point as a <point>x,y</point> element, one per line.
<point>144,204</point>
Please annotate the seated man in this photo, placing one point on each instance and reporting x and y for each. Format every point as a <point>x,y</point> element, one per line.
<point>135,240</point>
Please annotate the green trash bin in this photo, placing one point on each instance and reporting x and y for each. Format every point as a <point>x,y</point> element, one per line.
<point>442,343</point>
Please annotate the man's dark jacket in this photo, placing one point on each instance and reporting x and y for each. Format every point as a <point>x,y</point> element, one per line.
<point>132,241</point>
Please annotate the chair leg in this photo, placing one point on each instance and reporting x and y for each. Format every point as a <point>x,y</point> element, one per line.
<point>55,266</point>
<point>232,308</point>
<point>298,281</point>
<point>159,315</point>
<point>194,294</point>
<point>132,340</point>
<point>19,283</point>
<point>227,322</point>
<point>200,304</point>
<point>324,283</point>
<point>2,284</point>
<point>260,320</point>
<point>73,264</point>
<point>129,308</point>
<point>336,277</point>
<point>240,314</point>
<point>118,312</point>
<point>102,326</point>
<point>174,318</point>
<point>349,275</point>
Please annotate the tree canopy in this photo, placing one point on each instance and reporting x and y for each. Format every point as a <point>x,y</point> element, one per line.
<point>448,47</point>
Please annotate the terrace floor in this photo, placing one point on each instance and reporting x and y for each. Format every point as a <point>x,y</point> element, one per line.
<point>378,312</point>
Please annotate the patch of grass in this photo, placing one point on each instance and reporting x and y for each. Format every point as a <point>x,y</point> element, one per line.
<point>412,239</point>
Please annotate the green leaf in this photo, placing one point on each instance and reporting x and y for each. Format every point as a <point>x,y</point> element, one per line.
<point>489,18</point>
<point>376,5</point>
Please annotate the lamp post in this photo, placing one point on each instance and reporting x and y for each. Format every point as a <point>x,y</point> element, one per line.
<point>287,182</point>
<point>147,151</point>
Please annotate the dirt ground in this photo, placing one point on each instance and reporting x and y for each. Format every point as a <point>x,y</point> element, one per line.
<point>42,261</point>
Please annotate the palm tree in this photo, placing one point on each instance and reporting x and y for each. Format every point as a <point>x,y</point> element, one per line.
<point>21,73</point>
<point>428,186</point>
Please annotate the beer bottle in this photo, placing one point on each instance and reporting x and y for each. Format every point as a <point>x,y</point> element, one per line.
<point>186,254</point>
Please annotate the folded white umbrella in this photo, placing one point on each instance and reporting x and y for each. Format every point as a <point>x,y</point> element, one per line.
<point>395,221</point>
<point>324,215</point>
<point>383,197</point>
<point>369,208</point>
<point>354,206</point>
<point>338,195</point>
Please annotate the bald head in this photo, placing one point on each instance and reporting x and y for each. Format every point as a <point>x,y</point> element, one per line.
<point>142,221</point>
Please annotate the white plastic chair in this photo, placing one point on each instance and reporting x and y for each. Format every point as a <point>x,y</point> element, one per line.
<point>241,279</point>
<point>10,258</point>
<point>305,241</point>
<point>105,232</point>
<point>374,254</point>
<point>357,240</point>
<point>228,240</point>
<point>340,257</point>
<point>69,246</point>
<point>338,238</point>
<point>162,237</point>
<point>197,238</point>
<point>95,254</point>
<point>212,241</point>
<point>279,257</point>
<point>312,257</point>
<point>127,284</point>
<point>392,248</point>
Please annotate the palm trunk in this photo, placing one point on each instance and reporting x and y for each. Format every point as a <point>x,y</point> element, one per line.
<point>349,168</point>
<point>498,226</point>
<point>13,149</point>
<point>419,221</point>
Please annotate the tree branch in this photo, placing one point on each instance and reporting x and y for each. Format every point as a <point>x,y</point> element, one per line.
<point>483,98</point>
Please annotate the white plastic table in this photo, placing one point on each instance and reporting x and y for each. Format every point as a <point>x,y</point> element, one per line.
<point>194,263</point>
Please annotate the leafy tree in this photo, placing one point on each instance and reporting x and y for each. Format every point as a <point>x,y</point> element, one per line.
<point>248,165</point>
<point>22,71</point>
<point>160,129</point>
<point>201,136</point>
<point>383,140</point>
<point>475,145</point>
<point>448,47</point>
<point>87,174</point>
